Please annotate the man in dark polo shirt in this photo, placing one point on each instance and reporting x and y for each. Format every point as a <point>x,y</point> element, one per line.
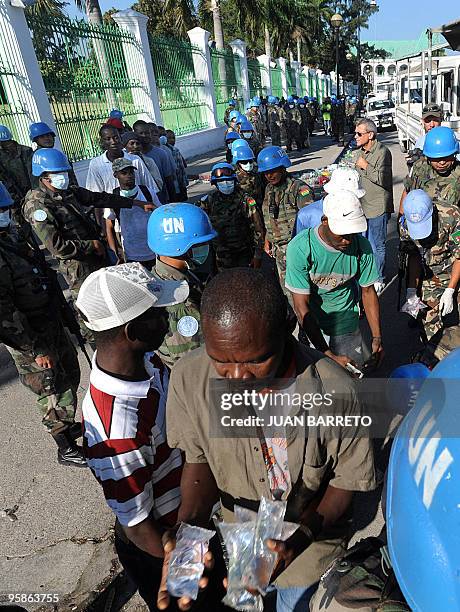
<point>246,334</point>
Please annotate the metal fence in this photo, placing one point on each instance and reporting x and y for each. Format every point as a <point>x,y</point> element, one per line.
<point>85,75</point>
<point>290,78</point>
<point>181,94</point>
<point>226,74</point>
<point>277,84</point>
<point>255,79</point>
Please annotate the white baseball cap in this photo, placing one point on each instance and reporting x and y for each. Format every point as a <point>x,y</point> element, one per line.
<point>113,296</point>
<point>345,179</point>
<point>344,213</point>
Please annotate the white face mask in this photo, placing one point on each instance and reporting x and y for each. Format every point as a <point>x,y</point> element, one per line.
<point>5,218</point>
<point>246,135</point>
<point>226,187</point>
<point>129,193</point>
<point>247,167</point>
<point>291,105</point>
<point>60,181</point>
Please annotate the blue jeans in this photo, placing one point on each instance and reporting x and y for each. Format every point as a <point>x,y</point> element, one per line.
<point>349,344</point>
<point>377,236</point>
<point>294,599</point>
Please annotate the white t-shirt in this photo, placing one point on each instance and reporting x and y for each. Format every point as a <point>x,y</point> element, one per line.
<point>133,227</point>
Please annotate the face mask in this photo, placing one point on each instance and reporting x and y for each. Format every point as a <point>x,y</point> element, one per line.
<point>5,218</point>
<point>226,187</point>
<point>246,135</point>
<point>163,140</point>
<point>229,145</point>
<point>200,254</point>
<point>291,105</point>
<point>129,193</point>
<point>247,167</point>
<point>60,181</point>
<point>301,106</point>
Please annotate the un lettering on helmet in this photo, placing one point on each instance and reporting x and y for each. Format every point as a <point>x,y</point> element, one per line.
<point>173,225</point>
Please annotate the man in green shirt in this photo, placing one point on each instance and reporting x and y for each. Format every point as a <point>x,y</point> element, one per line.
<point>324,266</point>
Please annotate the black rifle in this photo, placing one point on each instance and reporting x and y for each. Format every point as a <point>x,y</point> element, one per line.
<point>65,309</point>
<point>402,272</point>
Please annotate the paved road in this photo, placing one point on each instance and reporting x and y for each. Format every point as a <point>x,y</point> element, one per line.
<point>55,528</point>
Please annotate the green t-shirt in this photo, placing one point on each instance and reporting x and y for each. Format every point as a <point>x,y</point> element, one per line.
<point>330,276</point>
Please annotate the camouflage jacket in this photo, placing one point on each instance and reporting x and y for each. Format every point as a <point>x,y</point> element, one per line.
<point>16,171</point>
<point>237,222</point>
<point>26,307</point>
<point>441,189</point>
<point>184,332</point>
<point>442,248</point>
<point>294,118</point>
<point>274,116</point>
<point>67,230</point>
<point>280,207</point>
<point>228,110</point>
<point>305,118</point>
<point>252,183</point>
<point>258,122</point>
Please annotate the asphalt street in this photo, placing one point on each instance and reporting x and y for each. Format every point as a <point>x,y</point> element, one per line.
<point>55,528</point>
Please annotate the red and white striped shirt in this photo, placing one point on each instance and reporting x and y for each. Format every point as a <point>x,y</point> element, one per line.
<point>125,444</point>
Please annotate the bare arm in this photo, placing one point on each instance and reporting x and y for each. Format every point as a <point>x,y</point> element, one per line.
<point>372,310</point>
<point>146,536</point>
<point>401,202</point>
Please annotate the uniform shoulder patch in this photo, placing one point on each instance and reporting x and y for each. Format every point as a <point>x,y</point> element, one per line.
<point>187,326</point>
<point>456,236</point>
<point>251,201</point>
<point>40,215</point>
<point>305,190</point>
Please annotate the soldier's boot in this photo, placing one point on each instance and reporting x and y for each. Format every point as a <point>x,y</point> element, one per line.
<point>75,430</point>
<point>68,452</point>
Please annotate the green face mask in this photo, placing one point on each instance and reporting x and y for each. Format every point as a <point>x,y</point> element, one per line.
<point>200,254</point>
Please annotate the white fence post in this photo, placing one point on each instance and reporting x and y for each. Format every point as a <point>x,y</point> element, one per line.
<point>139,64</point>
<point>24,88</point>
<point>238,47</point>
<point>297,66</point>
<point>265,60</point>
<point>282,64</point>
<point>203,71</point>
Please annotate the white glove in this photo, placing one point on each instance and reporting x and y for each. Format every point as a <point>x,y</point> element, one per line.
<point>446,303</point>
<point>411,292</point>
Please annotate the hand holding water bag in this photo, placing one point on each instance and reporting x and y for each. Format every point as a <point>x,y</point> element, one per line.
<point>186,564</point>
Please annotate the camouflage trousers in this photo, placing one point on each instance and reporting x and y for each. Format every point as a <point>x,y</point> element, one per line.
<point>56,388</point>
<point>432,291</point>
<point>275,133</point>
<point>85,331</point>
<point>279,253</point>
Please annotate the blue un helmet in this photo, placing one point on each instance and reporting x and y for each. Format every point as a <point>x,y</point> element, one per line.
<point>241,142</point>
<point>246,128</point>
<point>5,199</point>
<point>231,136</point>
<point>49,160</point>
<point>403,386</point>
<point>173,229</point>
<point>233,115</point>
<point>422,504</point>
<point>39,129</point>
<point>115,113</point>
<point>5,133</point>
<point>243,154</point>
<point>256,101</point>
<point>222,172</point>
<point>440,142</point>
<point>271,158</point>
<point>232,102</point>
<point>290,100</point>
<point>271,100</point>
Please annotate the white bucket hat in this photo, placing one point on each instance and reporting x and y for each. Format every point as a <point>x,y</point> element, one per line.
<point>345,179</point>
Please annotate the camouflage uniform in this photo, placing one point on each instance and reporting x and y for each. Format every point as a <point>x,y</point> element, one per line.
<point>275,116</point>
<point>30,327</point>
<point>259,124</point>
<point>228,110</point>
<point>255,145</point>
<point>68,231</point>
<point>252,183</point>
<point>293,127</point>
<point>280,207</point>
<point>312,110</point>
<point>304,127</point>
<point>239,226</point>
<point>16,171</point>
<point>176,344</point>
<point>445,194</point>
<point>350,111</point>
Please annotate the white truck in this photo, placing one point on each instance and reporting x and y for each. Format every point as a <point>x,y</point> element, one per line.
<point>381,109</point>
<point>414,74</point>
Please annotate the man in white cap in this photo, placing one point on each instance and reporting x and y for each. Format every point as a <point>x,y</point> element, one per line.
<point>124,413</point>
<point>342,179</point>
<point>324,265</point>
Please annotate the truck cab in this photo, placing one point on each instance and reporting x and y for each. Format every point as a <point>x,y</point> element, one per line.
<point>381,109</point>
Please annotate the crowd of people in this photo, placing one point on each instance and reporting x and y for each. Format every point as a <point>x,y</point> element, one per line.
<point>255,281</point>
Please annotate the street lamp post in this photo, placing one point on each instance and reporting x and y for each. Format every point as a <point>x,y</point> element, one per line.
<point>336,22</point>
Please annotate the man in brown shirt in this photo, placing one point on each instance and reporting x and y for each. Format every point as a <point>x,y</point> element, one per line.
<point>375,168</point>
<point>244,323</point>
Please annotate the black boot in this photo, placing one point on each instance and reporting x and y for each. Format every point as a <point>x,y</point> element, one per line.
<point>75,430</point>
<point>68,452</point>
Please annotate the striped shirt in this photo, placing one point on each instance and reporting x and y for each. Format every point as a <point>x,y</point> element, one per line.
<point>125,445</point>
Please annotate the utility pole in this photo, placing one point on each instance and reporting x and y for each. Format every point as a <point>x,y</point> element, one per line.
<point>217,23</point>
